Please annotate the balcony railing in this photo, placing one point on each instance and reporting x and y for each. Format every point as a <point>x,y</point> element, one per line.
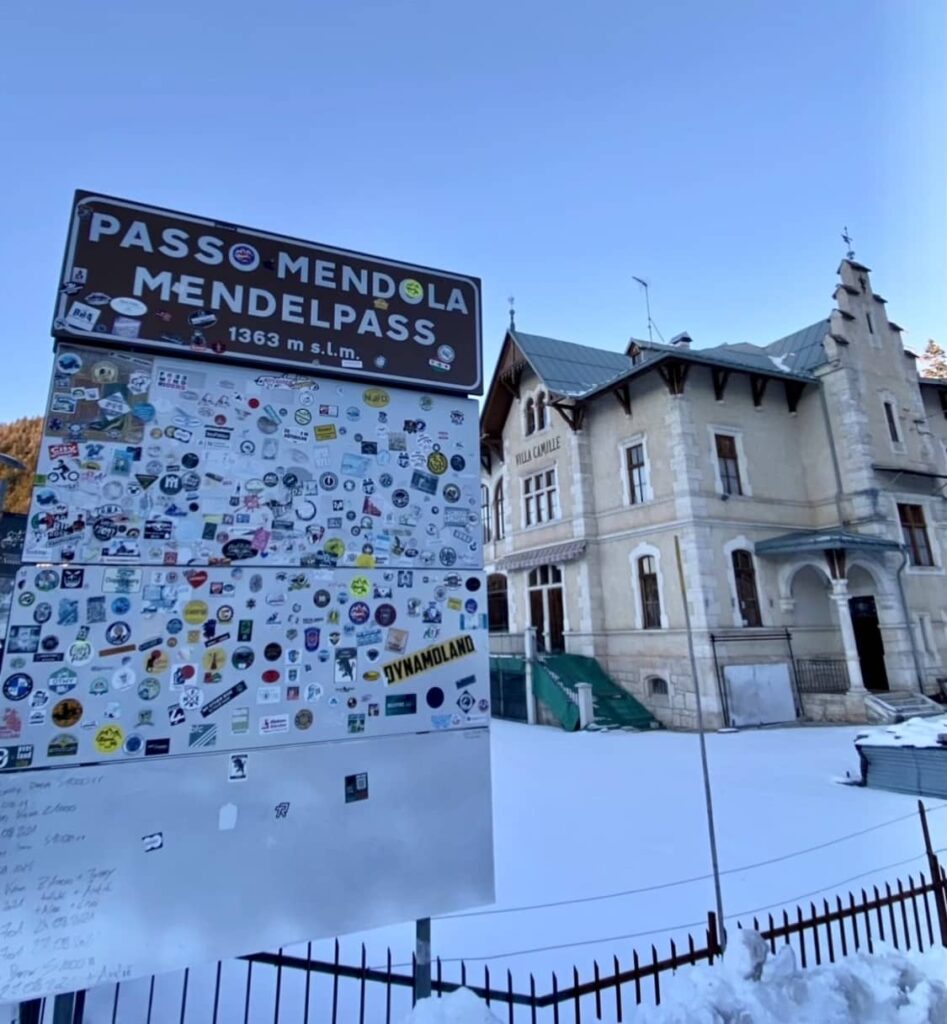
<point>822,675</point>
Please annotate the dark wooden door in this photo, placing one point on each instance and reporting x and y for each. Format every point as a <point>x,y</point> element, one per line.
<point>537,617</point>
<point>556,620</point>
<point>871,648</point>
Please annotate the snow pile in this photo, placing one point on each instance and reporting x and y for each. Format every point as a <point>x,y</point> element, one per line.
<point>460,1007</point>
<point>752,987</point>
<point>915,732</point>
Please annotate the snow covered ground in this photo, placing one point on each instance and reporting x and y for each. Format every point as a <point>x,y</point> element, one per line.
<point>585,814</point>
<point>580,816</point>
<point>889,987</point>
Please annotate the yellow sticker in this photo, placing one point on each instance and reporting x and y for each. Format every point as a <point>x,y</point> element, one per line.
<point>454,604</point>
<point>363,561</point>
<point>109,739</point>
<point>376,398</point>
<point>360,586</point>
<point>325,432</point>
<point>214,660</point>
<point>335,547</point>
<point>437,463</point>
<point>411,291</point>
<point>156,661</point>
<point>195,612</point>
<point>402,669</point>
<point>371,676</point>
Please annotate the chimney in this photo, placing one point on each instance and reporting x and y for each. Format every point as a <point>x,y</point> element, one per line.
<point>681,340</point>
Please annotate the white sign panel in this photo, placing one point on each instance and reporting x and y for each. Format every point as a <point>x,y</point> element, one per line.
<point>760,694</point>
<point>158,460</point>
<point>113,663</point>
<point>111,872</point>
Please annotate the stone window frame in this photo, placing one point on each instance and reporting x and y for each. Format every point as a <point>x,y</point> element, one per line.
<point>647,488</point>
<point>713,429</point>
<point>660,699</point>
<point>528,496</point>
<point>889,401</point>
<point>933,541</point>
<point>640,551</point>
<point>742,543</point>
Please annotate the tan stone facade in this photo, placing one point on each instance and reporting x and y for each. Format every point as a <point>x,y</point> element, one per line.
<point>726,456</point>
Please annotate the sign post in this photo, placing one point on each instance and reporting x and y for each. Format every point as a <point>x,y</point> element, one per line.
<point>251,632</point>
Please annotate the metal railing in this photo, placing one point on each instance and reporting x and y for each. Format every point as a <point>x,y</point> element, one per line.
<point>822,675</point>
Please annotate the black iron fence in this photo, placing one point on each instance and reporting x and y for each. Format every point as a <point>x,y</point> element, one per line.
<point>822,675</point>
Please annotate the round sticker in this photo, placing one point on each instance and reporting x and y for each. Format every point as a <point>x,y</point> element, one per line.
<point>69,363</point>
<point>80,652</point>
<point>272,651</point>
<point>42,612</point>
<point>120,605</point>
<point>400,498</point>
<point>321,598</point>
<point>435,697</point>
<point>447,556</point>
<point>18,686</point>
<point>195,612</point>
<point>457,463</point>
<point>118,632</point>
<point>271,675</point>
<point>470,606</point>
<point>225,613</point>
<point>335,547</point>
<point>242,658</point>
<point>66,713</point>
<point>99,686</point>
<point>123,678</point>
<point>359,613</point>
<point>328,481</point>
<point>303,719</point>
<point>360,586</point>
<point>385,614</point>
<point>109,739</point>
<point>133,744</point>
<point>189,460</point>
<point>303,417</point>
<point>451,493</point>
<point>174,626</point>
<point>411,291</point>
<point>127,307</point>
<point>46,579</point>
<point>472,584</point>
<point>149,688</point>
<point>437,463</point>
<point>243,256</point>
<point>26,599</point>
<point>375,398</point>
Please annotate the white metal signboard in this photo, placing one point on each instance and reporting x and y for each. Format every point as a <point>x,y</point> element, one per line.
<point>156,460</point>
<point>107,664</point>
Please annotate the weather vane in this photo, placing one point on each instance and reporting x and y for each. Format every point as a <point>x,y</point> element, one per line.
<point>846,238</point>
<point>511,300</point>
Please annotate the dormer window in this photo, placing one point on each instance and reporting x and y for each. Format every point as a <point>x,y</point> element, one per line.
<point>530,424</point>
<point>634,353</point>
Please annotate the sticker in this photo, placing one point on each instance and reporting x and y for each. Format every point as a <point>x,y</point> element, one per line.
<point>431,657</point>
<point>18,686</point>
<point>273,724</point>
<point>109,739</point>
<point>63,745</point>
<point>401,704</point>
<point>202,736</point>
<point>153,841</point>
<point>303,719</point>
<point>356,787</point>
<point>12,758</point>
<point>223,698</point>
<point>129,306</point>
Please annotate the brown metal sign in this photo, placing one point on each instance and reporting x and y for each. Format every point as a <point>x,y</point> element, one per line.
<point>144,277</point>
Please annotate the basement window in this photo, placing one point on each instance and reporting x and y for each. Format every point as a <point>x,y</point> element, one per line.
<point>658,687</point>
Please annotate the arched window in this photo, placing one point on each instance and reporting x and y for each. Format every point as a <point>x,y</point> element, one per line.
<point>530,416</point>
<point>650,595</point>
<point>498,511</point>
<point>485,512</point>
<point>744,576</point>
<point>541,411</point>
<point>658,688</point>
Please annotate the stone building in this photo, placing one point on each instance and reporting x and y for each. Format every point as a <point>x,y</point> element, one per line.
<point>805,482</point>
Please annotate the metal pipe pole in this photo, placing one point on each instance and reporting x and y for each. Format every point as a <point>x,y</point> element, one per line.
<point>422,958</point>
<point>708,800</point>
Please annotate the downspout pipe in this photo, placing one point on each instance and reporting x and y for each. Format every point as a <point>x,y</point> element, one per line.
<point>907,619</point>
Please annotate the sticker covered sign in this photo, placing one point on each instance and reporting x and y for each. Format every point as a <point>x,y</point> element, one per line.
<point>152,460</point>
<point>147,277</point>
<point>146,663</point>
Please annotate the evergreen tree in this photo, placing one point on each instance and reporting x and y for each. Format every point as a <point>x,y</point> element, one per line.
<point>934,361</point>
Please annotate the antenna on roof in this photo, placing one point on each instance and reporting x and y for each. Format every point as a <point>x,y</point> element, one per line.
<point>846,238</point>
<point>511,300</point>
<point>647,302</point>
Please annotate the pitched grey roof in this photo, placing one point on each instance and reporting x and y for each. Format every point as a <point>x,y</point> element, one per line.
<point>570,369</point>
<point>802,351</point>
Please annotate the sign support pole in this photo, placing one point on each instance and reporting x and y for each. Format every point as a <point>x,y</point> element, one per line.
<point>703,746</point>
<point>422,958</point>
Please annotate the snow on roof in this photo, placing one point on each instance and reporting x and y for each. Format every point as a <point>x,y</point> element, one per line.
<point>915,732</point>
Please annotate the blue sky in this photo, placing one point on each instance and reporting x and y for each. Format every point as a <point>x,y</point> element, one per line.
<point>554,150</point>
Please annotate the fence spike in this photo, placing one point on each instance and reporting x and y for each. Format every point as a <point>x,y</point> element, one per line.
<point>532,999</point>
<point>657,980</point>
<point>828,930</point>
<point>802,937</point>
<point>555,1001</point>
<point>772,937</point>
<point>361,990</point>
<point>617,990</point>
<point>388,987</point>
<point>634,957</point>
<point>903,903</point>
<point>815,934</point>
<point>486,982</point>
<point>463,973</point>
<point>868,937</point>
<point>841,924</point>
<point>575,984</point>
<point>509,995</point>
<point>598,991</point>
